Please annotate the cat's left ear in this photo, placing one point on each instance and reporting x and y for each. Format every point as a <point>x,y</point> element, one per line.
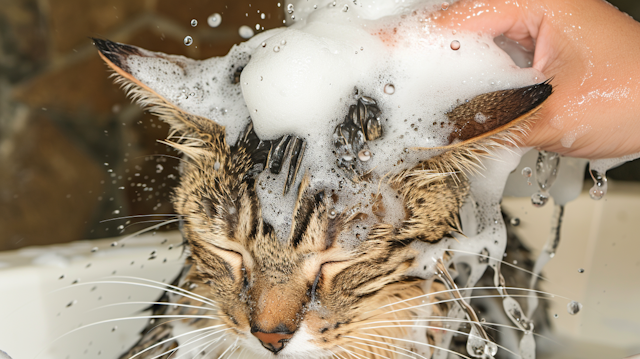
<point>153,80</point>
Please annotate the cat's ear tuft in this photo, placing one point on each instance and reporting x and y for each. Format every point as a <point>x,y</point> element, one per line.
<point>184,125</point>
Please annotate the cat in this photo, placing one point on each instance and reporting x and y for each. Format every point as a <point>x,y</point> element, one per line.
<point>243,289</point>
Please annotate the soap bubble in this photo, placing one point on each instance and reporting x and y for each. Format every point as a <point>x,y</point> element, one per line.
<point>389,89</point>
<point>188,40</point>
<point>214,20</point>
<point>455,45</point>
<point>574,307</point>
<point>194,23</point>
<point>245,32</point>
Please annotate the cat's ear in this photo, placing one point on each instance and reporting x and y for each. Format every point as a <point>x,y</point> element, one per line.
<point>135,69</point>
<point>496,116</point>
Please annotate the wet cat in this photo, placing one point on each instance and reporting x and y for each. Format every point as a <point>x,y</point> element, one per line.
<point>246,289</point>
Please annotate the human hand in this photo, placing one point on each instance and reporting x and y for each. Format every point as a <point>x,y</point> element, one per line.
<point>593,52</point>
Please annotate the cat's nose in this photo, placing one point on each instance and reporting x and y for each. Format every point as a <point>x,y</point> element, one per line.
<point>273,342</point>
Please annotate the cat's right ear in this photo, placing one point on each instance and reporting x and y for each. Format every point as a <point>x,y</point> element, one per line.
<point>120,57</point>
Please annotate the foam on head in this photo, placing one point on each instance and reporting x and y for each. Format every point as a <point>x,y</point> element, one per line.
<point>301,81</point>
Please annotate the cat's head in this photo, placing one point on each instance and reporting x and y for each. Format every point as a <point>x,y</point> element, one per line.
<point>307,291</point>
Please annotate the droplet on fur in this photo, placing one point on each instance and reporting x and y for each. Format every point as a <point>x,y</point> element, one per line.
<point>188,40</point>
<point>455,45</point>
<point>194,23</point>
<point>444,6</point>
<point>290,9</point>
<point>71,303</point>
<point>333,213</point>
<point>276,49</point>
<point>581,270</point>
<point>574,307</point>
<point>515,221</point>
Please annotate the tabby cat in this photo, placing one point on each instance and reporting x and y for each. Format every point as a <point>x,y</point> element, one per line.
<point>244,290</point>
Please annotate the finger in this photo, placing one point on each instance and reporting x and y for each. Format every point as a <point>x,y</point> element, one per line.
<point>516,20</point>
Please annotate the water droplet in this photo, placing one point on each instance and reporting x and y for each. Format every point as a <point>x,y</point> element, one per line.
<point>455,45</point>
<point>117,211</point>
<point>71,303</point>
<point>600,185</point>
<point>333,213</point>
<point>188,40</point>
<point>257,26</point>
<point>539,199</point>
<point>445,5</point>
<point>61,276</point>
<point>263,44</point>
<point>547,169</point>
<point>194,22</point>
<point>114,328</point>
<point>245,32</point>
<point>581,270</point>
<point>290,9</point>
<point>276,49</point>
<point>159,168</point>
<point>389,89</point>
<point>283,42</point>
<point>263,16</point>
<point>94,249</point>
<point>214,20</point>
<point>345,8</point>
<point>555,315</point>
<point>515,221</point>
<point>121,227</point>
<point>574,307</point>
<point>114,244</point>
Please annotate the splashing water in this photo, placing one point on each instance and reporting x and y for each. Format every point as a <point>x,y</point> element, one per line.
<point>546,174</point>
<point>574,307</point>
<point>598,170</point>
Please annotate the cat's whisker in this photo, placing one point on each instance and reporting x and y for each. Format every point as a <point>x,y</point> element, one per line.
<point>156,303</point>
<point>352,353</point>
<point>486,287</point>
<point>407,341</point>
<point>203,298</point>
<point>184,293</point>
<point>142,222</point>
<point>204,345</point>
<point>395,351</point>
<point>501,261</point>
<point>446,330</point>
<point>127,318</point>
<point>141,215</point>
<point>157,226</point>
<point>190,341</point>
<point>487,325</point>
<point>368,351</point>
<point>469,297</point>
<point>353,345</point>
<point>230,347</point>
